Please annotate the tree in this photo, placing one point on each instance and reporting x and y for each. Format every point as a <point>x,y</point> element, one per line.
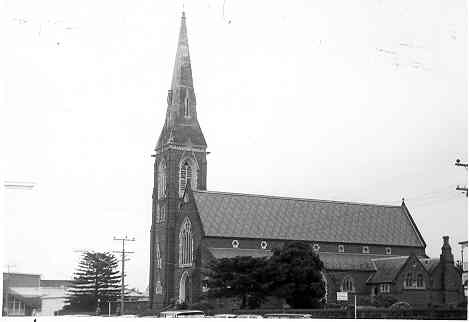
<point>295,274</point>
<point>239,277</point>
<point>95,281</point>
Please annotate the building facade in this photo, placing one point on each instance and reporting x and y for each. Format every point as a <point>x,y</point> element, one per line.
<point>191,226</point>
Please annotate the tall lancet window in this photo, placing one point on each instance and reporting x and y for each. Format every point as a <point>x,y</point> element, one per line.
<point>186,244</point>
<point>187,171</point>
<point>162,180</point>
<point>186,107</point>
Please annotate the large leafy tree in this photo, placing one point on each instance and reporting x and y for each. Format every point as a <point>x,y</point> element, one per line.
<point>239,277</point>
<point>95,281</point>
<point>295,274</point>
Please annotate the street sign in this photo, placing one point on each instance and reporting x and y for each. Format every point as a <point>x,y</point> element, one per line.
<point>342,296</point>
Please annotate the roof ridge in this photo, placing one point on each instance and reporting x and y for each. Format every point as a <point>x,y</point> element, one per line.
<point>357,254</point>
<point>295,198</point>
<point>394,257</point>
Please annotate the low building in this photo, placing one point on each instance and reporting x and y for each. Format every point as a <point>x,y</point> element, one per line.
<point>463,260</point>
<point>27,294</point>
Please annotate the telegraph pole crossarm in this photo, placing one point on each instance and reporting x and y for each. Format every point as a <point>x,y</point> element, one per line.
<point>461,164</point>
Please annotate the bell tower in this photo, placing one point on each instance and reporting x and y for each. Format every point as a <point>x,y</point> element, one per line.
<point>180,159</point>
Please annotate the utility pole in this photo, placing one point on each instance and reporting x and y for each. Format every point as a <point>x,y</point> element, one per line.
<point>7,293</point>
<point>123,252</point>
<point>461,164</point>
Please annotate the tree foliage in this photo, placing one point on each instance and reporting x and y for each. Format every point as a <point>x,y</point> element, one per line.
<point>239,277</point>
<point>96,280</point>
<point>293,273</point>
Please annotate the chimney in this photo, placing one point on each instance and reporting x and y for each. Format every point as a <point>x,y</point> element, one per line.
<point>446,255</point>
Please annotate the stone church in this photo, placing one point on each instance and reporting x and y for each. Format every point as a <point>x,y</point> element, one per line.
<point>367,249</point>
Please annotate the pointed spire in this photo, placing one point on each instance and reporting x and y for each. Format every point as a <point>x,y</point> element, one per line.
<point>182,73</point>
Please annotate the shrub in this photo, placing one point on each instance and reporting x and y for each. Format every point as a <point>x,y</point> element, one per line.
<point>383,300</point>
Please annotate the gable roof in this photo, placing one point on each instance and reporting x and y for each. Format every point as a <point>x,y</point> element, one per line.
<point>429,263</point>
<point>257,216</point>
<point>387,269</point>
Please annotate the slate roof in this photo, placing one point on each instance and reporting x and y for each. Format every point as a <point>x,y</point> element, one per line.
<point>268,217</point>
<point>387,269</point>
<point>429,263</point>
<point>234,252</point>
<point>344,261</point>
<point>332,261</point>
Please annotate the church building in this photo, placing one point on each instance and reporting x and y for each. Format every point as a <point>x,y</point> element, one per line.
<point>367,249</point>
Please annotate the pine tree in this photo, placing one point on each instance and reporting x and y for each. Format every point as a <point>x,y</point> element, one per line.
<point>95,281</point>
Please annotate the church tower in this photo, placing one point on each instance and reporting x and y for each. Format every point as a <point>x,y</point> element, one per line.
<point>180,159</point>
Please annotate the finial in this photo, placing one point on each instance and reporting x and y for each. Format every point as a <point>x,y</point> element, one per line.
<point>403,199</point>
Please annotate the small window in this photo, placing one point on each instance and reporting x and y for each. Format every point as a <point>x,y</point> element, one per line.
<point>263,244</point>
<point>385,288</point>
<point>316,247</point>
<point>158,287</point>
<point>186,107</point>
<point>163,214</point>
<point>408,280</point>
<point>420,281</point>
<point>388,251</point>
<point>235,243</point>
<point>365,250</point>
<point>341,248</point>
<point>347,285</point>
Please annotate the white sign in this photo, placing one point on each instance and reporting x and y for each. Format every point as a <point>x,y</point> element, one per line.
<point>342,296</point>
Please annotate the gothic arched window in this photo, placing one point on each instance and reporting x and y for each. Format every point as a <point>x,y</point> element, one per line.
<point>187,171</point>
<point>186,244</point>
<point>420,282</point>
<point>408,280</point>
<point>186,107</point>
<point>162,180</point>
<point>347,285</point>
<point>158,255</point>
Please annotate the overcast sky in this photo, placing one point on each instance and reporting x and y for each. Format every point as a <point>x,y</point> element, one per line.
<point>361,101</point>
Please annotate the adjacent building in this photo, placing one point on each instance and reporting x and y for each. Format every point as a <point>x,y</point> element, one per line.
<point>367,249</point>
<point>27,294</point>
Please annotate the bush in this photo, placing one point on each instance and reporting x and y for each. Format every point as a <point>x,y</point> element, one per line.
<point>383,300</point>
<point>202,306</point>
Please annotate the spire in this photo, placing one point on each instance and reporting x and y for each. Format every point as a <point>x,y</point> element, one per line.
<point>181,126</point>
<point>182,73</point>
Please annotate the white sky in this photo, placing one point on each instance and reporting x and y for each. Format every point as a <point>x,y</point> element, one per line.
<point>346,100</point>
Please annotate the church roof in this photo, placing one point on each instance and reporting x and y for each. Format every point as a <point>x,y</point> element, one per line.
<point>257,216</point>
<point>387,269</point>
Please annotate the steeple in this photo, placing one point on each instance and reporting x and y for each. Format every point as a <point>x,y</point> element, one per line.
<point>182,73</point>
<point>181,127</point>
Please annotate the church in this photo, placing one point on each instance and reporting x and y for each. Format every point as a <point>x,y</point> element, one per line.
<point>367,249</point>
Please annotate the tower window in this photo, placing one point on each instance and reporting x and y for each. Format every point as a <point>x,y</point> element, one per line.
<point>365,250</point>
<point>187,172</point>
<point>162,180</point>
<point>186,107</point>
<point>186,244</point>
<point>158,256</point>
<point>341,248</point>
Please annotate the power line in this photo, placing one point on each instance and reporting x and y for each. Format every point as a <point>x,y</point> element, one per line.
<point>123,252</point>
<point>461,164</point>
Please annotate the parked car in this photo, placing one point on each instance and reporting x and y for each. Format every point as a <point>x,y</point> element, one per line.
<point>182,314</point>
<point>287,316</point>
<point>400,306</point>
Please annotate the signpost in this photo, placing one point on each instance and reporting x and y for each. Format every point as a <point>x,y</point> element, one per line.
<point>342,296</point>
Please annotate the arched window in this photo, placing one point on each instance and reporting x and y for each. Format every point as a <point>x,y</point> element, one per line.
<point>347,285</point>
<point>420,281</point>
<point>408,280</point>
<point>162,180</point>
<point>187,171</point>
<point>186,244</point>
<point>186,107</point>
<point>158,255</point>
